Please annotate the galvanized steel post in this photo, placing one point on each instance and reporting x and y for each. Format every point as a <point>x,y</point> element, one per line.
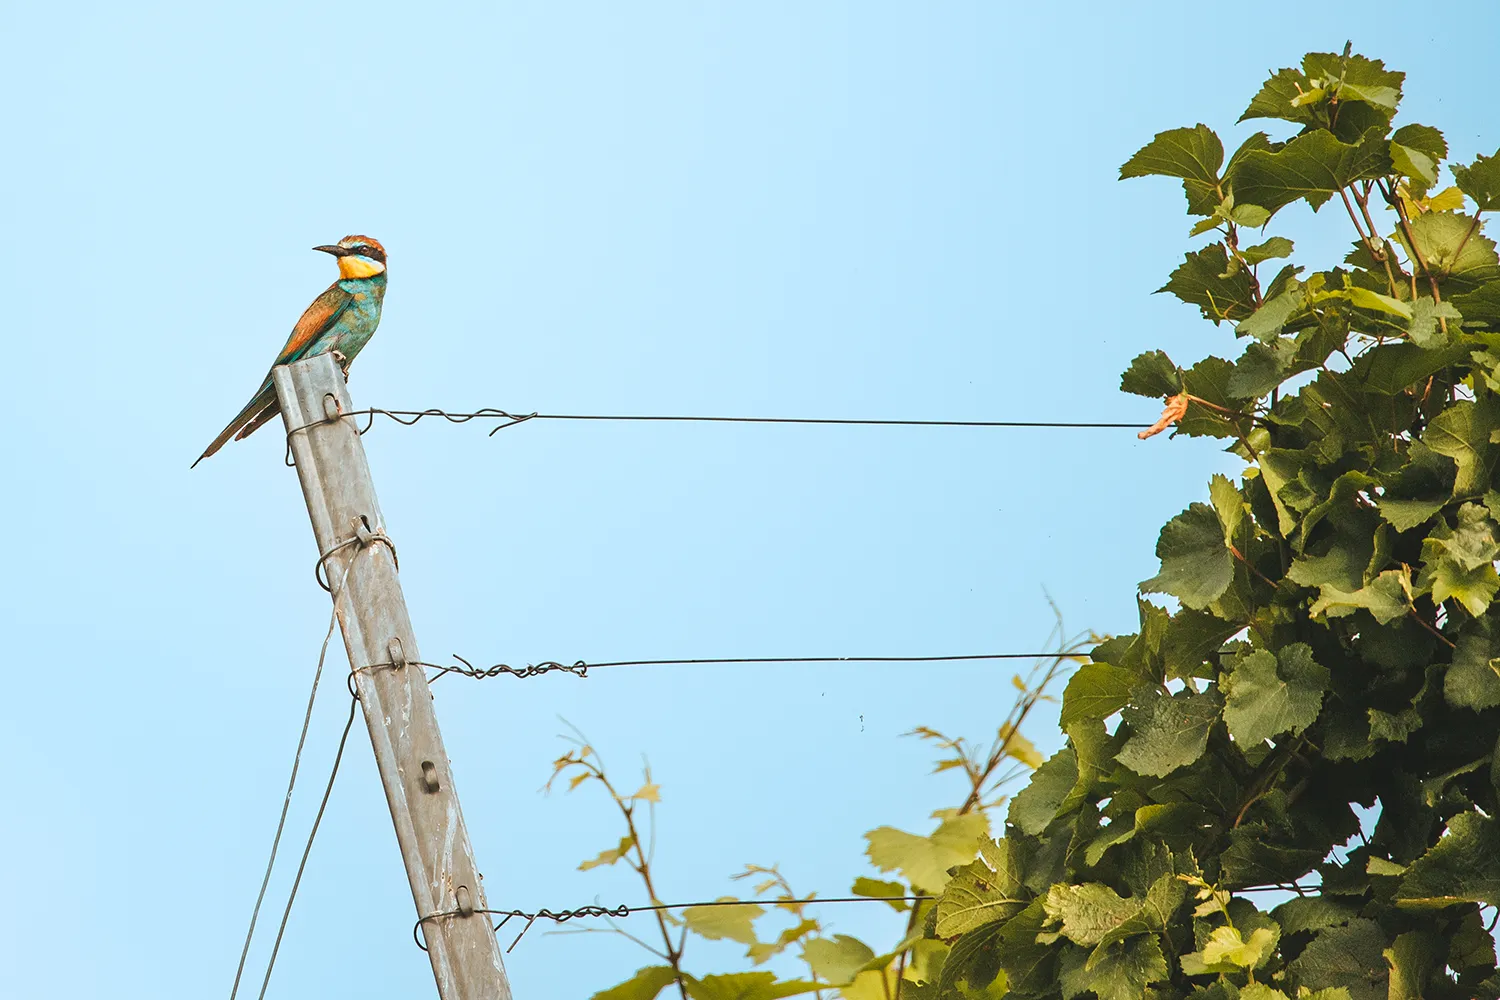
<point>359,564</point>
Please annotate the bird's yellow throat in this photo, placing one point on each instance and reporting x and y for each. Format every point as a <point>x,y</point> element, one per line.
<point>358,267</point>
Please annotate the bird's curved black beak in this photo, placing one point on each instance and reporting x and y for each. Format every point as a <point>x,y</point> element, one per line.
<point>337,251</point>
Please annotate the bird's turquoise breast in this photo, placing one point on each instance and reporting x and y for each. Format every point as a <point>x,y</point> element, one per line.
<point>357,324</point>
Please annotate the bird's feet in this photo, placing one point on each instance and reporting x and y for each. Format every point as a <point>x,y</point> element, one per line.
<point>342,362</point>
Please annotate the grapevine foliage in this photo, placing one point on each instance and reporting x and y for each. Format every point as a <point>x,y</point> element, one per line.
<point>1336,640</point>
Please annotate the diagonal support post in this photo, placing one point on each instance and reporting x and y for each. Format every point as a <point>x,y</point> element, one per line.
<point>358,563</point>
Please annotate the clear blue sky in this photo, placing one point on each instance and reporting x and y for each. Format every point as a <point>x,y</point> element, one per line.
<point>832,209</point>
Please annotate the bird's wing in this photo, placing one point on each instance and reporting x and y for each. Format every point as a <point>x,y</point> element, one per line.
<point>316,321</point>
<point>322,314</point>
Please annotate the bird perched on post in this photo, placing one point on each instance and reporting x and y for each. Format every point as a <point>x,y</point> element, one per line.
<point>341,320</point>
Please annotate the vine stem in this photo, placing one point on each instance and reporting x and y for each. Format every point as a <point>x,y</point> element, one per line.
<point>642,868</point>
<point>1385,251</point>
<point>1232,244</point>
<point>1395,202</point>
<point>1238,555</point>
<point>1352,218</point>
<point>1213,406</point>
<point>1431,628</point>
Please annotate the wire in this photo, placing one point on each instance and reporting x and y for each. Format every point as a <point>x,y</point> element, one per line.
<point>839,659</point>
<point>306,851</point>
<point>816,420</point>
<point>409,417</point>
<point>287,802</point>
<point>580,668</point>
<point>334,592</point>
<point>622,910</point>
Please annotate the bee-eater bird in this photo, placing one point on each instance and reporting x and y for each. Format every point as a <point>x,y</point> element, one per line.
<point>341,320</point>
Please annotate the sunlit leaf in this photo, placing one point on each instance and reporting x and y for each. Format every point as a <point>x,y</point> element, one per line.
<point>748,986</point>
<point>610,856</point>
<point>1018,747</point>
<point>644,985</point>
<point>1226,951</point>
<point>737,923</point>
<point>924,861</point>
<point>891,892</point>
<point>837,959</point>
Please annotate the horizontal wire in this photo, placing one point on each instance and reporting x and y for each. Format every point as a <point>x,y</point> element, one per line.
<point>580,668</point>
<point>848,421</point>
<point>409,417</point>
<point>838,659</point>
<point>622,910</point>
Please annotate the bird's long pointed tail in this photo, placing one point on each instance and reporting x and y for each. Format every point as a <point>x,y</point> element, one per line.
<point>262,407</point>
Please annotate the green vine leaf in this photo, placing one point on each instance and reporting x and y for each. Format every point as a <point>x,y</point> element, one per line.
<point>1416,151</point>
<point>1267,694</point>
<point>1267,322</point>
<point>1463,866</point>
<point>1168,731</point>
<point>1096,691</point>
<point>1463,432</point>
<point>976,897</point>
<point>1271,249</point>
<point>1412,959</point>
<point>1473,678</point>
<point>1452,249</point>
<point>1313,166</point>
<point>1351,957</point>
<point>1036,805</point>
<point>1403,515</point>
<point>1152,374</point>
<point>1480,180</point>
<point>1085,914</point>
<point>1122,971</point>
<point>1204,280</point>
<point>1459,563</point>
<point>1193,154</point>
<point>1196,565</point>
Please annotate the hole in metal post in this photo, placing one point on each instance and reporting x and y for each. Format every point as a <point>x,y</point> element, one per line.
<point>430,776</point>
